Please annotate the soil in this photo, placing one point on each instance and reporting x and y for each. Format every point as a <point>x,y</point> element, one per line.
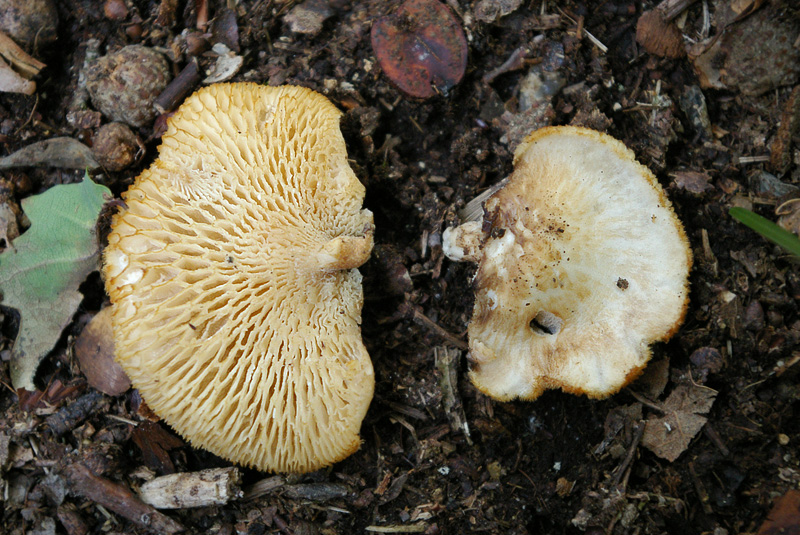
<point>439,456</point>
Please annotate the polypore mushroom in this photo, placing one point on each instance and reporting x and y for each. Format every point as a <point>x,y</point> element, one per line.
<point>236,302</point>
<point>582,264</point>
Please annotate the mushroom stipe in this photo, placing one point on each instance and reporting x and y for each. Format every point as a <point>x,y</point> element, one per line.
<point>236,302</point>
<point>582,264</point>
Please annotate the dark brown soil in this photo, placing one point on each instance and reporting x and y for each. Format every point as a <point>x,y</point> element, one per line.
<point>560,464</point>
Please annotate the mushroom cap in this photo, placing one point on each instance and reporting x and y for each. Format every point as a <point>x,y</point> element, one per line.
<point>236,302</point>
<point>582,265</point>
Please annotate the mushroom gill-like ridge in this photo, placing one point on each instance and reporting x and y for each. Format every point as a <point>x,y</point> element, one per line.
<point>582,264</point>
<point>236,302</point>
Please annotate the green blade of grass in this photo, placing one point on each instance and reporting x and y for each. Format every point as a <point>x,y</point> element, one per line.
<point>767,228</point>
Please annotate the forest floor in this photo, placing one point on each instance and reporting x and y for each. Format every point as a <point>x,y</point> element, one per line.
<point>438,456</point>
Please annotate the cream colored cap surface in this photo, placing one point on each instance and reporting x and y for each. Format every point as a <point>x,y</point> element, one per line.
<point>237,305</point>
<point>582,265</point>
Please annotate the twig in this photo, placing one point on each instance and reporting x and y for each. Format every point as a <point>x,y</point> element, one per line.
<point>74,413</point>
<point>514,62</point>
<point>595,41</point>
<point>644,401</point>
<point>409,310</point>
<point>178,88</point>
<point>714,437</point>
<point>638,431</point>
<point>673,8</point>
<point>701,490</point>
<point>118,499</point>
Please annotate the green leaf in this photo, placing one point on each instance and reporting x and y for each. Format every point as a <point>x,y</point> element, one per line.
<point>41,271</point>
<point>767,228</point>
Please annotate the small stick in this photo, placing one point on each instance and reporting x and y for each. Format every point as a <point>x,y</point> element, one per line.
<point>701,490</point>
<point>70,416</point>
<point>638,431</point>
<point>714,437</point>
<point>646,402</point>
<point>178,88</point>
<point>118,499</point>
<point>673,8</point>
<point>408,309</point>
<point>263,487</point>
<point>514,62</point>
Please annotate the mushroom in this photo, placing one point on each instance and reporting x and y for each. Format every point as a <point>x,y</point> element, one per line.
<point>232,274</point>
<point>582,264</point>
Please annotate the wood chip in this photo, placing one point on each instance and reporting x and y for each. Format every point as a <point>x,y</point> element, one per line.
<point>215,486</point>
<point>118,499</point>
<point>26,65</point>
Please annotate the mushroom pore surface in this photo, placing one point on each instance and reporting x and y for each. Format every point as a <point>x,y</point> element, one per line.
<point>582,264</point>
<point>236,302</point>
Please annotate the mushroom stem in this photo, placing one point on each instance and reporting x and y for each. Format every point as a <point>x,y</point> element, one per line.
<point>463,243</point>
<point>345,252</point>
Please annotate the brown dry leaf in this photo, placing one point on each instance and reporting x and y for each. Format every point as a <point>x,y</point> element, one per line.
<point>789,213</point>
<point>744,7</point>
<point>654,379</point>
<point>156,443</point>
<point>729,61</point>
<point>784,518</point>
<point>421,48</point>
<point>95,351</point>
<point>692,181</point>
<point>659,36</point>
<point>62,152</point>
<point>669,435</point>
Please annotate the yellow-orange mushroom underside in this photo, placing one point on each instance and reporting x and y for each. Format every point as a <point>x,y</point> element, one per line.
<point>236,302</point>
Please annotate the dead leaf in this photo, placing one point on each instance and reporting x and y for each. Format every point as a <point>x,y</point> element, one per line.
<point>729,61</point>
<point>421,48</point>
<point>669,435</point>
<point>789,213</point>
<point>41,272</point>
<point>692,181</point>
<point>156,443</point>
<point>63,152</point>
<point>95,351</point>
<point>784,518</point>
<point>659,36</point>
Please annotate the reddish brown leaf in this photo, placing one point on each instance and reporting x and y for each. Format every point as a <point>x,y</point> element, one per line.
<point>155,443</point>
<point>421,48</point>
<point>659,36</point>
<point>95,351</point>
<point>784,519</point>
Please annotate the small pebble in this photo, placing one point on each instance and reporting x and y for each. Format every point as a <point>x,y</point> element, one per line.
<point>115,10</point>
<point>308,17</point>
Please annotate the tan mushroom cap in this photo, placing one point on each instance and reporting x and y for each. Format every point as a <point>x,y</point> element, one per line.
<point>237,305</point>
<point>582,265</point>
